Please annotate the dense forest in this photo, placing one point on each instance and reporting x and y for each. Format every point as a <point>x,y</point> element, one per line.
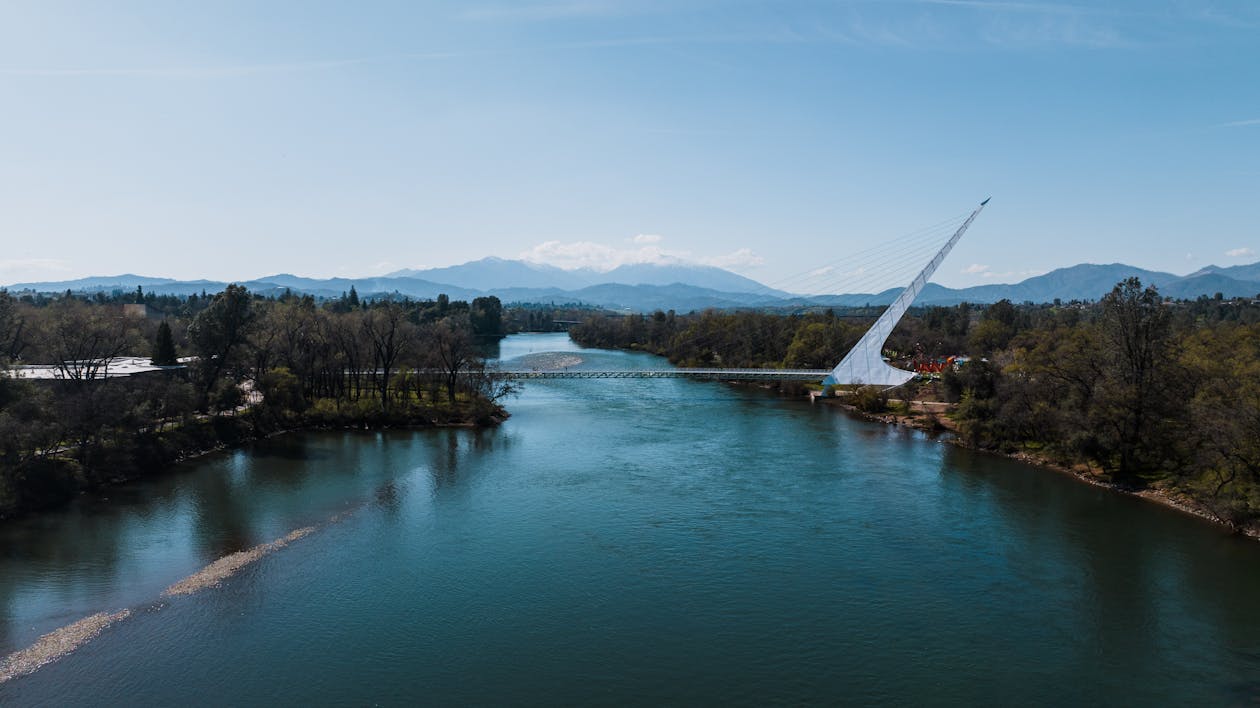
<point>237,366</point>
<point>1143,391</point>
<point>540,317</point>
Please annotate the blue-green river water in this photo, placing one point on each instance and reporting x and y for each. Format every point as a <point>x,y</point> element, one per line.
<point>633,542</point>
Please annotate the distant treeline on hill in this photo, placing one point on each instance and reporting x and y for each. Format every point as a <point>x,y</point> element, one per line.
<point>1148,392</point>
<point>254,365</point>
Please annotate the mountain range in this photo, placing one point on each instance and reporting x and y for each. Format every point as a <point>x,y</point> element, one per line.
<point>682,287</point>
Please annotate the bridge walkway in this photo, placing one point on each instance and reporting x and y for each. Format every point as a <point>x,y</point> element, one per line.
<point>810,375</point>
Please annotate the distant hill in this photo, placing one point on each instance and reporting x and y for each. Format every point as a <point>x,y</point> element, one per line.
<point>1244,273</point>
<point>498,273</point>
<point>491,273</point>
<point>94,283</point>
<point>1086,281</point>
<point>645,287</point>
<point>1193,286</point>
<point>700,276</point>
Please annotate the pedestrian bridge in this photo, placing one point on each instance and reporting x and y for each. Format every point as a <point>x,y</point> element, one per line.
<point>864,364</point>
<point>812,375</point>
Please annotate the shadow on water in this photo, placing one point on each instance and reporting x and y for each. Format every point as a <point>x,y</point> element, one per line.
<point>289,447</point>
<point>389,496</point>
<point>449,448</point>
<point>222,522</point>
<point>1127,579</point>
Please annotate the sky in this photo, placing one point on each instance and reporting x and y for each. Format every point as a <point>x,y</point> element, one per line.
<point>231,140</point>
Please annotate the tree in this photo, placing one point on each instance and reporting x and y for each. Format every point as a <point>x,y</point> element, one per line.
<point>389,336</point>
<point>1132,404</point>
<point>218,333</point>
<point>83,339</point>
<point>353,300</point>
<point>12,325</point>
<point>164,346</point>
<point>452,350</point>
<point>1224,415</point>
<point>996,328</point>
<point>486,316</point>
<point>976,377</point>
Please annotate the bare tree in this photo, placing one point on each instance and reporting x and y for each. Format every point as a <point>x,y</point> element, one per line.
<point>389,336</point>
<point>84,339</point>
<point>452,351</point>
<point>344,332</point>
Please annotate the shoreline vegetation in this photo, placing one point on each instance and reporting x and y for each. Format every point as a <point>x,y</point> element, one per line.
<point>1144,395</point>
<point>238,367</point>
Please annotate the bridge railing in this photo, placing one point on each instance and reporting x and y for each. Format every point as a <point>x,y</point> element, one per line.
<point>813,375</point>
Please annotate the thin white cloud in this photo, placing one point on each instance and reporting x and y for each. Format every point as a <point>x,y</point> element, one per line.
<point>975,268</point>
<point>597,256</point>
<point>15,270</point>
<point>647,238</point>
<point>187,71</point>
<point>1241,123</point>
<point>742,258</point>
<point>55,264</point>
<point>1006,6</point>
<point>1240,252</point>
<point>221,71</point>
<point>1021,274</point>
<point>543,11</point>
<point>1243,16</point>
<point>601,257</point>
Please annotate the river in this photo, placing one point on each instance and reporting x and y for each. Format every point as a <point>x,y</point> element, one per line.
<point>632,541</point>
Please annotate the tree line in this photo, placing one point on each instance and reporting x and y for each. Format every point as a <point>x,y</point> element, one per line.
<point>1143,391</point>
<point>239,365</point>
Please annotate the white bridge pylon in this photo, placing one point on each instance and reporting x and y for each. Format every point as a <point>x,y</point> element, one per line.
<point>864,364</point>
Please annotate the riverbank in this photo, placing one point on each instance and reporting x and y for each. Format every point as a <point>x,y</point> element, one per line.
<point>52,480</point>
<point>632,504</point>
<point>934,417</point>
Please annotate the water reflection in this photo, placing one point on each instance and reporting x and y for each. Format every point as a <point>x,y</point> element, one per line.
<point>389,497</point>
<point>222,522</point>
<point>657,539</point>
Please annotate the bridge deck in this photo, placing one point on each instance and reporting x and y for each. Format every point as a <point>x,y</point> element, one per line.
<point>813,375</point>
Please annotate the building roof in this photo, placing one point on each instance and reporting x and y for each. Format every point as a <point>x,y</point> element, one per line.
<point>118,367</point>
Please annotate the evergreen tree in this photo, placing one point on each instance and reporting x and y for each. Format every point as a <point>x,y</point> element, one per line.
<point>354,298</point>
<point>486,316</point>
<point>164,346</point>
<point>219,333</point>
<point>139,295</point>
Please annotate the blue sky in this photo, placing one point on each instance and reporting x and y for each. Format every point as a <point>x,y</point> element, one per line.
<point>231,140</point>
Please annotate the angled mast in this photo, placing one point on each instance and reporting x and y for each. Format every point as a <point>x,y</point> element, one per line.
<point>864,364</point>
